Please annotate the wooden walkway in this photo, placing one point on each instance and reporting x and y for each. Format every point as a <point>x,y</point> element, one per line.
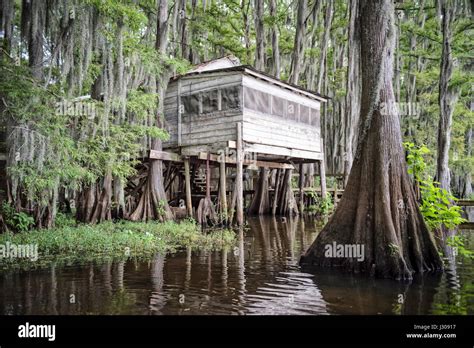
<point>467,226</point>
<point>336,194</point>
<point>465,202</point>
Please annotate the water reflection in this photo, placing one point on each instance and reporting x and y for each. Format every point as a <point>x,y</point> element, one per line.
<point>355,294</point>
<point>260,275</point>
<point>157,298</point>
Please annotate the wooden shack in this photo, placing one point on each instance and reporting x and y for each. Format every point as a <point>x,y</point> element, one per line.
<point>228,114</point>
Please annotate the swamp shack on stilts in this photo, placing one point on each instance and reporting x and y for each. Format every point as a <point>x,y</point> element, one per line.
<point>236,136</point>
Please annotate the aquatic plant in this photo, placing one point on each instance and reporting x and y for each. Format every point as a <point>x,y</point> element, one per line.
<point>119,240</point>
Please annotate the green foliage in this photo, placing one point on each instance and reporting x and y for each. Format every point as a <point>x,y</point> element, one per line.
<point>70,160</point>
<point>32,110</point>
<point>419,50</point>
<point>458,242</point>
<point>437,205</point>
<point>415,160</point>
<point>160,209</point>
<point>124,11</point>
<point>64,220</point>
<point>82,151</point>
<point>456,302</point>
<point>114,240</point>
<point>16,221</point>
<point>323,205</point>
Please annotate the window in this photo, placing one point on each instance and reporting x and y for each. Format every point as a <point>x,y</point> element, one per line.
<point>292,111</point>
<point>230,98</point>
<point>304,114</point>
<point>315,118</point>
<point>278,106</point>
<point>256,100</point>
<point>210,101</point>
<point>191,104</point>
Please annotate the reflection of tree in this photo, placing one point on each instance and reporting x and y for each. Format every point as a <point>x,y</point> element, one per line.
<point>119,277</point>
<point>274,232</point>
<point>457,294</point>
<point>107,273</point>
<point>302,232</point>
<point>225,270</point>
<point>157,298</point>
<point>358,294</point>
<point>209,273</point>
<point>53,293</point>
<point>259,228</point>
<point>94,289</point>
<point>90,284</point>
<point>290,229</point>
<point>290,293</point>
<point>241,267</point>
<point>187,280</point>
<point>277,239</point>
<point>28,291</point>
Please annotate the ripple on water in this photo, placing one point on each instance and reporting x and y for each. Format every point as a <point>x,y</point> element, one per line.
<point>263,277</point>
<point>290,294</point>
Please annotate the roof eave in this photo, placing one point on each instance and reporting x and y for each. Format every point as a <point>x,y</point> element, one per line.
<point>246,69</point>
<point>283,84</point>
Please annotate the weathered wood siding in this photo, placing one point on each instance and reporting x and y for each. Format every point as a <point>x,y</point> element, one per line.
<point>274,119</point>
<point>205,126</point>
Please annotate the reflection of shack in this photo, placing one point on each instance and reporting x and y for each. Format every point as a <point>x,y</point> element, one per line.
<point>233,116</point>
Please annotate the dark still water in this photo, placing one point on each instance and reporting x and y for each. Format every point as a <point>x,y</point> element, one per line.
<point>259,276</point>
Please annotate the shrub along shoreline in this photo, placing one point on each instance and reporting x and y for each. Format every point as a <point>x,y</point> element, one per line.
<point>105,241</point>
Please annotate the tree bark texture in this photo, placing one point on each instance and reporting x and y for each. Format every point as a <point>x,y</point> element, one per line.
<point>260,36</point>
<point>153,202</point>
<point>378,209</point>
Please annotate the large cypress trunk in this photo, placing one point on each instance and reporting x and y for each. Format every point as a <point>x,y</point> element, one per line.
<point>153,203</point>
<point>378,210</point>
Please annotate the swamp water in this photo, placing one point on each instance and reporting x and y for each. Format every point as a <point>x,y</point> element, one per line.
<point>260,275</point>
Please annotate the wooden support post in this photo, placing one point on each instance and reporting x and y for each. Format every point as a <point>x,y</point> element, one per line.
<point>276,191</point>
<point>187,183</point>
<point>301,181</point>
<point>208,178</point>
<point>322,174</point>
<point>239,177</point>
<point>223,189</point>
